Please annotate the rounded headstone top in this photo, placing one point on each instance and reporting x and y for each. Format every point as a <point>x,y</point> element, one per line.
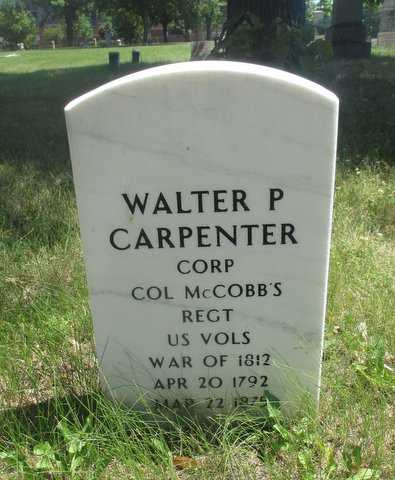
<point>209,68</point>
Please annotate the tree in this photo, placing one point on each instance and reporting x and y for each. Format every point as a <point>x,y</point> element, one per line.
<point>289,11</point>
<point>146,10</point>
<point>269,31</point>
<point>126,23</point>
<point>326,7</point>
<point>70,10</point>
<point>211,12</point>
<point>165,11</point>
<point>310,7</point>
<point>16,24</point>
<point>48,9</point>
<point>83,27</point>
<point>188,15</point>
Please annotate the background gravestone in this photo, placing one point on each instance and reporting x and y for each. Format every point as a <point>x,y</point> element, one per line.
<point>347,32</point>
<point>386,36</point>
<point>201,49</point>
<point>205,196</point>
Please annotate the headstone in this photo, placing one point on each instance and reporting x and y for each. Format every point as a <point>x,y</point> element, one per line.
<point>386,36</point>
<point>94,42</point>
<point>108,38</point>
<point>347,33</point>
<point>53,44</point>
<point>135,56</point>
<point>114,59</point>
<point>205,196</point>
<point>201,49</point>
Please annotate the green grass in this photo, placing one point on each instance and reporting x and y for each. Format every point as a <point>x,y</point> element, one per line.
<point>33,60</point>
<point>385,52</point>
<point>55,422</point>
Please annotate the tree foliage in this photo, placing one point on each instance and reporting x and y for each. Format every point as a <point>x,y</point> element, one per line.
<point>165,12</point>
<point>49,9</point>
<point>211,11</point>
<point>16,24</point>
<point>187,15</point>
<point>54,33</point>
<point>134,12</point>
<point>327,5</point>
<point>182,15</point>
<point>373,3</point>
<point>125,23</point>
<point>71,10</point>
<point>83,27</point>
<point>74,13</point>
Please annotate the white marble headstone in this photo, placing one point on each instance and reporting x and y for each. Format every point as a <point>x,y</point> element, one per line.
<point>205,197</point>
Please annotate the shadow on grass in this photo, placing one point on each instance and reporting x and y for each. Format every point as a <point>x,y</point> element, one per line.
<point>36,419</point>
<point>39,422</point>
<point>32,125</point>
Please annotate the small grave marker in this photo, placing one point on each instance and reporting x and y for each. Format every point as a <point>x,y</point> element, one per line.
<point>114,60</point>
<point>205,197</point>
<point>135,56</point>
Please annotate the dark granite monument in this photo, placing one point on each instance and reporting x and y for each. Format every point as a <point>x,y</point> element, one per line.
<point>347,33</point>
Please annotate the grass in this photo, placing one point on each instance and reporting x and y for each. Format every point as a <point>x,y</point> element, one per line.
<point>56,424</point>
<point>35,60</point>
<point>384,51</point>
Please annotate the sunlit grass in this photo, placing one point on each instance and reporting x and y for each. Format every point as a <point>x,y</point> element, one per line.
<point>55,422</point>
<point>33,60</point>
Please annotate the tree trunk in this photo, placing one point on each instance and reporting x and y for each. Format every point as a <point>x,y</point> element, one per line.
<point>165,24</point>
<point>70,19</point>
<point>256,20</point>
<point>290,11</point>
<point>187,30</point>
<point>147,25</point>
<point>41,29</point>
<point>208,28</point>
<point>69,32</point>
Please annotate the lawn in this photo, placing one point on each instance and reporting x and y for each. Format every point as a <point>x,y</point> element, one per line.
<point>34,60</point>
<point>56,424</point>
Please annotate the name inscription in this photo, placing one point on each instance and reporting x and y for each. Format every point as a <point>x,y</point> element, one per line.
<point>199,203</point>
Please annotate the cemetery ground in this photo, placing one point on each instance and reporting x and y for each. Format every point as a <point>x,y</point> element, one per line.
<point>54,422</point>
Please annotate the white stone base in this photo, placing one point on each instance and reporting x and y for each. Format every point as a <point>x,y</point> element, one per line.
<point>386,40</point>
